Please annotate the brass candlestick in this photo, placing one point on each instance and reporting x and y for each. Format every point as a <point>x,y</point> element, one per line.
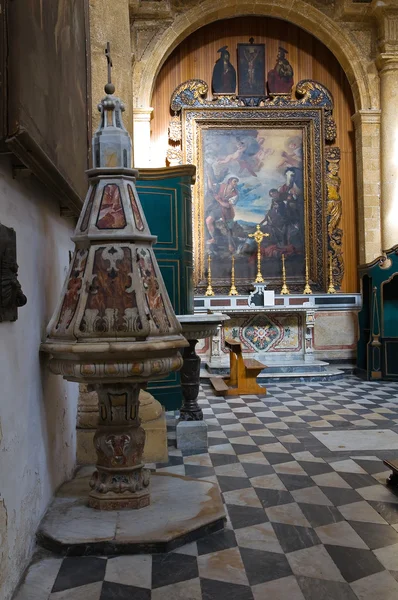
<point>209,291</point>
<point>331,288</point>
<point>258,238</point>
<point>307,289</point>
<point>285,289</point>
<point>233,291</point>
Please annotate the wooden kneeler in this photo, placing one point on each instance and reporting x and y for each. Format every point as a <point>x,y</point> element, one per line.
<point>243,374</point>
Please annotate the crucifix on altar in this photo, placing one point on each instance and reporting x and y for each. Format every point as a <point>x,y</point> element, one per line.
<point>260,296</point>
<point>258,238</point>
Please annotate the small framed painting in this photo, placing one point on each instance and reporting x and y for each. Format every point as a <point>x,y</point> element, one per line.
<point>251,69</point>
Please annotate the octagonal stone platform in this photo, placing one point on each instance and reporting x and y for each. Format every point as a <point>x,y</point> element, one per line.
<point>182,510</point>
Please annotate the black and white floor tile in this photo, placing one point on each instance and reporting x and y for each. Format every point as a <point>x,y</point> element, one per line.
<point>304,522</point>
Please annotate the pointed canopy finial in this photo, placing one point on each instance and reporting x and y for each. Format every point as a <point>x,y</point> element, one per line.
<point>109,87</point>
<point>111,142</point>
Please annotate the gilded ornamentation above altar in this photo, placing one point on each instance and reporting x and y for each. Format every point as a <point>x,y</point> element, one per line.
<point>263,165</point>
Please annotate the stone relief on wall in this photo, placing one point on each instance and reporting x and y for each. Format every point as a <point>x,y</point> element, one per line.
<point>11,295</point>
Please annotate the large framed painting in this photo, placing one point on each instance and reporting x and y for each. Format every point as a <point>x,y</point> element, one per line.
<point>252,175</point>
<point>264,165</point>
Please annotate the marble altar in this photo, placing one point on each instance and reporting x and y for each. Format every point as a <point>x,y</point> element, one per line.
<point>297,331</point>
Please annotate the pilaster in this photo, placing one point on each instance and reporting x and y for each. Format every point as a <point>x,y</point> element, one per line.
<point>367,142</point>
<point>142,136</point>
<point>388,66</point>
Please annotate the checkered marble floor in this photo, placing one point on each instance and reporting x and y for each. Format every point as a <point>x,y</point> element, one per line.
<point>304,522</point>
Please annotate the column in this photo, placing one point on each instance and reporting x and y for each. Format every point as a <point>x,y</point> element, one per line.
<point>142,136</point>
<point>386,15</point>
<point>387,64</point>
<point>367,142</point>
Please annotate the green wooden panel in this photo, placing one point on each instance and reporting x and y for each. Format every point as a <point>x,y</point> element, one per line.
<point>377,349</point>
<point>168,209</point>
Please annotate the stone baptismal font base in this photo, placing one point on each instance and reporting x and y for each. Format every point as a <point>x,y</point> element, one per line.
<point>181,511</point>
<point>114,330</point>
<point>121,481</point>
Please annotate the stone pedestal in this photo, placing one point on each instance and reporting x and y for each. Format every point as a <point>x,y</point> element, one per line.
<point>191,431</point>
<point>190,381</point>
<point>182,510</point>
<point>120,481</point>
<point>191,435</point>
<point>153,421</point>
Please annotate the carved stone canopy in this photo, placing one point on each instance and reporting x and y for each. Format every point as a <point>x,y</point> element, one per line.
<point>114,327</point>
<point>114,321</point>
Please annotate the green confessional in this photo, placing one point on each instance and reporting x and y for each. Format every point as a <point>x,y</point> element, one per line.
<point>166,198</point>
<point>377,351</point>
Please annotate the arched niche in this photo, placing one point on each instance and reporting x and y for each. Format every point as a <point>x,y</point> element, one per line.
<point>359,70</point>
<point>195,56</point>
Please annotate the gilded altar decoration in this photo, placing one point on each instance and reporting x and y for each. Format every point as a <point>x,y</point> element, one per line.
<point>175,129</point>
<point>284,289</point>
<point>174,156</point>
<point>334,212</point>
<point>11,295</point>
<point>307,289</point>
<point>233,291</point>
<point>261,163</point>
<point>209,289</point>
<point>331,288</point>
<point>258,238</point>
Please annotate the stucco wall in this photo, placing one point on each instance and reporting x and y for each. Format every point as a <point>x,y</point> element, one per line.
<point>37,409</point>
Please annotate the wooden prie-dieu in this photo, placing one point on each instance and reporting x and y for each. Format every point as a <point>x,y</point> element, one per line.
<point>243,374</point>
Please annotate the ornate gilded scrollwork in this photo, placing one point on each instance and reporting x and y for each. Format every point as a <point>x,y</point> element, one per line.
<point>308,94</point>
<point>334,211</point>
<point>192,93</point>
<point>189,94</point>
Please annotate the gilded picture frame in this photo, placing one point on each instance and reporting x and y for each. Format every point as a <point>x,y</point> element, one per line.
<point>239,145</point>
<point>277,127</point>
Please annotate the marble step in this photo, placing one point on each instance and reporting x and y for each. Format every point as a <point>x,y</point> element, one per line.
<point>221,366</point>
<point>330,374</point>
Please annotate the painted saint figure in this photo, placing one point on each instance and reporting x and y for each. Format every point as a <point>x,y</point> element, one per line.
<point>224,74</point>
<point>222,207</point>
<point>280,78</point>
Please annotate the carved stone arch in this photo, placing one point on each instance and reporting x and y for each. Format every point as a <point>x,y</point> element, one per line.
<point>358,69</point>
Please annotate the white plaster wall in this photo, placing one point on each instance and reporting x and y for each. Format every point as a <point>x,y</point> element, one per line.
<point>37,409</point>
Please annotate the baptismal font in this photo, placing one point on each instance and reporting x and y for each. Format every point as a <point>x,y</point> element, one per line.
<point>114,327</point>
